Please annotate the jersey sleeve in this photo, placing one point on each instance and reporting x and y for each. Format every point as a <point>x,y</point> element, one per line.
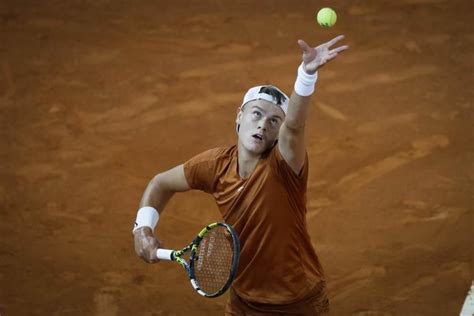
<point>286,174</point>
<point>201,170</point>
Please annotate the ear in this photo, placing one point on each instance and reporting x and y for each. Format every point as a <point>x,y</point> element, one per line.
<point>239,116</point>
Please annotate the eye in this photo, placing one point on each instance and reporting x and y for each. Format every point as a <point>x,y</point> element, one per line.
<point>274,121</point>
<point>256,114</point>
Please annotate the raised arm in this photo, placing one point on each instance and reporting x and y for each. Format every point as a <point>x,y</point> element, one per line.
<point>291,136</point>
<point>157,194</point>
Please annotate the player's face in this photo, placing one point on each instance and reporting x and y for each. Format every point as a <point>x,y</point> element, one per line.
<point>260,123</point>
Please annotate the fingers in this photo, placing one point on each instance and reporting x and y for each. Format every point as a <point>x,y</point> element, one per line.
<point>145,247</point>
<point>331,57</point>
<point>334,52</point>
<point>148,253</point>
<point>302,44</point>
<point>338,49</point>
<point>328,58</point>
<point>335,40</point>
<point>149,257</point>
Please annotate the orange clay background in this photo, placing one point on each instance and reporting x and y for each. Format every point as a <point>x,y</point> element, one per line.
<point>96,97</point>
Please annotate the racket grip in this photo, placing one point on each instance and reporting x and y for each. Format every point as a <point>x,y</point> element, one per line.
<point>164,254</point>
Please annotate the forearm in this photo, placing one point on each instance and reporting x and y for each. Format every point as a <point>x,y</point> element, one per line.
<point>313,59</point>
<point>153,202</point>
<point>298,109</point>
<point>156,195</point>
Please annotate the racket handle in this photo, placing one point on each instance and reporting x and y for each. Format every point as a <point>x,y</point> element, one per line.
<point>164,254</point>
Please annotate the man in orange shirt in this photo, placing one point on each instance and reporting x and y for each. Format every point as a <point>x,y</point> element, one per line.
<point>259,186</point>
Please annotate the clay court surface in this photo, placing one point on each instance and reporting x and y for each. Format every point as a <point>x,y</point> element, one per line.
<point>96,97</point>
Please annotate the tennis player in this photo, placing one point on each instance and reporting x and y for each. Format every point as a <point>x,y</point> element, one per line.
<point>259,186</point>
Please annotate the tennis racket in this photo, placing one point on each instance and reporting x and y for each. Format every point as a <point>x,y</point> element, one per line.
<point>213,259</point>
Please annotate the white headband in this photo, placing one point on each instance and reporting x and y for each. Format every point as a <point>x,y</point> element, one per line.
<point>255,94</point>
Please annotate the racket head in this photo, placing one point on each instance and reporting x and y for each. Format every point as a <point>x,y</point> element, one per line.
<point>214,259</point>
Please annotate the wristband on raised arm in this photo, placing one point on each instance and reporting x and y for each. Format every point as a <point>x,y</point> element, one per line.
<point>304,84</point>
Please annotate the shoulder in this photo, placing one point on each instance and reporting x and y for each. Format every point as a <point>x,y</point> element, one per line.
<point>203,170</point>
<point>222,152</point>
<point>280,166</point>
<point>218,153</point>
<point>214,157</point>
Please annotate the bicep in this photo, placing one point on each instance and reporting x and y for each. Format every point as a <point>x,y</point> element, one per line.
<point>173,180</point>
<point>292,147</point>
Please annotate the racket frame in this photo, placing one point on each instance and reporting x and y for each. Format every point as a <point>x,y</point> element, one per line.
<point>177,255</point>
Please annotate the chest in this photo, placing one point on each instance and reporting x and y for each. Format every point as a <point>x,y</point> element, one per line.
<point>260,198</point>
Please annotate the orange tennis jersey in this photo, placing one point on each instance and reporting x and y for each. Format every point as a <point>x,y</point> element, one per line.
<point>278,264</point>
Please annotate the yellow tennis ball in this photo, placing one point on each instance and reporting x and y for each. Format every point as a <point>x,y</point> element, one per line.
<point>326,17</point>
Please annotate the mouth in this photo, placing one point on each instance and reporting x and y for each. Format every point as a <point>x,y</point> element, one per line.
<point>258,137</point>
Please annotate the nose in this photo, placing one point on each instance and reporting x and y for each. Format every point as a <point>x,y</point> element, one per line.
<point>262,124</point>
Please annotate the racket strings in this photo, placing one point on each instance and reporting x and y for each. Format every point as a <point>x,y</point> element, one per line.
<point>213,265</point>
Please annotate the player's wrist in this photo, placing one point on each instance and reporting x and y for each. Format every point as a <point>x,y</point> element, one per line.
<point>147,216</point>
<point>305,83</point>
<point>143,231</point>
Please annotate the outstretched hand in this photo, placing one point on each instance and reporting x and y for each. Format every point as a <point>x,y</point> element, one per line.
<point>316,57</point>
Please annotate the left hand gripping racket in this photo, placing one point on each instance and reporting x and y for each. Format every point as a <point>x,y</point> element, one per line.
<point>213,259</point>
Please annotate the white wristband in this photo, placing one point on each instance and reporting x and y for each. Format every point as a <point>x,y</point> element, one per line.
<point>146,216</point>
<point>304,84</point>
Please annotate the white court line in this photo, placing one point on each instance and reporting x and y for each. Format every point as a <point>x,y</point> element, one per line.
<point>468,307</point>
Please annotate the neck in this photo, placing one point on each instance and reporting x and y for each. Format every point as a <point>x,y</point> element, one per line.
<point>247,162</point>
